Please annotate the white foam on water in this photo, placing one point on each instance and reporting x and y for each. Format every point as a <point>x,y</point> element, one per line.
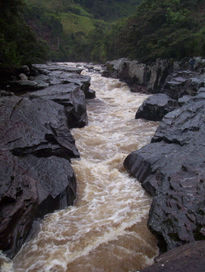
<point>6,264</point>
<point>106,229</point>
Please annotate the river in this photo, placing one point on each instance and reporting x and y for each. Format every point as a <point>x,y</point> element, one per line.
<point>105,231</point>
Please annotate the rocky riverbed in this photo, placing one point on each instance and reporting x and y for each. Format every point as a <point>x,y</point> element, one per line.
<point>171,167</point>
<point>42,103</point>
<point>36,146</point>
<point>106,228</point>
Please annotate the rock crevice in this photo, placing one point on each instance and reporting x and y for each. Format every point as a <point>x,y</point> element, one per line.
<point>171,169</point>
<point>36,114</point>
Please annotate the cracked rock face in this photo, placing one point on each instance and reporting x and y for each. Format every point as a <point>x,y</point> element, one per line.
<point>183,82</point>
<point>42,76</point>
<point>136,74</point>
<point>156,107</point>
<point>30,188</point>
<point>171,169</point>
<point>36,147</point>
<point>36,176</point>
<point>71,97</point>
<point>35,127</point>
<point>55,74</point>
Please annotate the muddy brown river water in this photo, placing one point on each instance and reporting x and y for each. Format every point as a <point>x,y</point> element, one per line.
<point>105,231</point>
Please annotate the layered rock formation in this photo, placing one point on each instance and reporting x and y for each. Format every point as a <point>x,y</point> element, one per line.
<point>139,75</point>
<point>163,77</point>
<point>171,169</point>
<point>155,107</point>
<point>36,146</point>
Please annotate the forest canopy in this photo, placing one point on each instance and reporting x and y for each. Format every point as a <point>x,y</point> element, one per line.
<point>18,45</point>
<point>161,29</point>
<point>84,30</point>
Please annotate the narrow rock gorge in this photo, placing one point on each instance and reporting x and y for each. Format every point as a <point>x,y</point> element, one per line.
<point>57,124</point>
<point>36,147</point>
<point>106,228</point>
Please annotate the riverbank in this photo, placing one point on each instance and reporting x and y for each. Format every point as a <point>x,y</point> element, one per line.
<point>171,167</point>
<point>38,107</point>
<point>106,228</point>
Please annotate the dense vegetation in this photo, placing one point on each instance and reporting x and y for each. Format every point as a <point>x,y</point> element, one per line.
<point>109,10</point>
<point>165,29</point>
<point>87,30</point>
<point>74,29</point>
<point>18,44</point>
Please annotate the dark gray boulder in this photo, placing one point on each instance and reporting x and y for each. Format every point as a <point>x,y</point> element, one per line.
<point>56,73</point>
<point>162,76</point>
<point>184,99</point>
<point>171,169</point>
<point>138,75</point>
<point>36,177</point>
<point>114,68</point>
<point>44,75</point>
<point>5,93</point>
<point>71,97</point>
<point>58,77</point>
<point>89,94</point>
<point>183,82</point>
<point>19,86</point>
<point>184,126</point>
<point>187,258</point>
<point>49,67</point>
<point>36,147</point>
<point>35,127</point>
<point>155,107</point>
<point>30,188</point>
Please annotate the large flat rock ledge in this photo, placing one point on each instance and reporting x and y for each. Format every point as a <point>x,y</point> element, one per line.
<point>172,170</point>
<point>36,147</point>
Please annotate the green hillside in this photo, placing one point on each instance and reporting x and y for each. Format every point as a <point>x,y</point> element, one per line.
<point>36,30</point>
<point>18,44</point>
<point>85,30</point>
<point>73,29</point>
<point>165,29</point>
<point>109,10</point>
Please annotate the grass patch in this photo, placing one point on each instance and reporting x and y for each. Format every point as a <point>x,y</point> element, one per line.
<point>73,23</point>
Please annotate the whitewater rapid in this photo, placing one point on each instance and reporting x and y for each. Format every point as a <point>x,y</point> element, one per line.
<point>105,231</point>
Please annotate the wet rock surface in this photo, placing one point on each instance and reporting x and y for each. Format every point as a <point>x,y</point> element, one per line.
<point>36,147</point>
<point>30,188</point>
<point>40,76</point>
<point>71,97</point>
<point>47,68</point>
<point>89,94</point>
<point>150,76</point>
<point>190,257</point>
<point>182,83</point>
<point>35,126</point>
<point>35,179</point>
<point>162,76</point>
<point>155,107</point>
<point>173,79</point>
<point>171,169</point>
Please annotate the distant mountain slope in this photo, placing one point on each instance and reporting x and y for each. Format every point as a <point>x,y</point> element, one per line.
<point>109,9</point>
<point>73,29</point>
<point>85,30</point>
<point>17,43</point>
<point>166,29</point>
